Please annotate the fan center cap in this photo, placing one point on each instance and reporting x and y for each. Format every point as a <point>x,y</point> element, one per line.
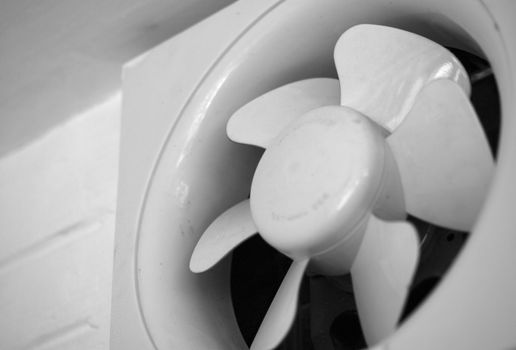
<point>318,180</point>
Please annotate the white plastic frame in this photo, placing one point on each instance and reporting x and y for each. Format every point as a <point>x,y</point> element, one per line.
<point>178,170</point>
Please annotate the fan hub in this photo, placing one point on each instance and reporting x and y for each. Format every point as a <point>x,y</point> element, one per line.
<point>318,181</point>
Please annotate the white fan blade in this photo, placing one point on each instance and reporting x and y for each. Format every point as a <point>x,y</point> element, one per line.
<point>281,313</point>
<point>230,229</point>
<point>382,69</point>
<point>443,157</point>
<point>261,120</point>
<point>381,275</point>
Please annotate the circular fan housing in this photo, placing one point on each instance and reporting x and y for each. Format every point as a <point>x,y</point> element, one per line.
<point>174,177</point>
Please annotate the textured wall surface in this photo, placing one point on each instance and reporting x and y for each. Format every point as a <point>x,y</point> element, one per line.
<point>57,210</point>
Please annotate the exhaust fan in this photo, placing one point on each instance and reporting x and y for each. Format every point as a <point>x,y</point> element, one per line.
<point>327,129</point>
<point>331,187</point>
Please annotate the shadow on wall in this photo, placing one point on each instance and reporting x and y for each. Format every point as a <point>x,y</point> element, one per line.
<point>57,217</point>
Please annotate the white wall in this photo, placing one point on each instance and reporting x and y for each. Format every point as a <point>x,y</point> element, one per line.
<point>57,211</point>
<point>58,191</point>
<point>59,57</point>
